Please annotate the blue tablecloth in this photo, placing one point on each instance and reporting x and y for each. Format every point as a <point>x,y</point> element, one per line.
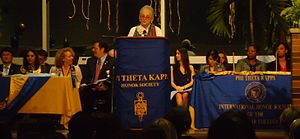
<point>263,97</point>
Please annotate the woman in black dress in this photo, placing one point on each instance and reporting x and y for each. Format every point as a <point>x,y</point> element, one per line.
<point>182,76</point>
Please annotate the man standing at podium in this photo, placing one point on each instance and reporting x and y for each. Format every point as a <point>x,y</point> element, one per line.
<point>97,95</point>
<point>146,27</point>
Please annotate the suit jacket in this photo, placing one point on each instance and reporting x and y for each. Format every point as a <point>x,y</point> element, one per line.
<point>91,69</point>
<point>14,69</point>
<point>45,68</point>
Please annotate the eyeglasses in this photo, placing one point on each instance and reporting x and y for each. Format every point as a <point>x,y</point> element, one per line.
<point>145,16</point>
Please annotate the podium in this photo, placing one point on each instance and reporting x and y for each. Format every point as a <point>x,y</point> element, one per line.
<point>142,83</point>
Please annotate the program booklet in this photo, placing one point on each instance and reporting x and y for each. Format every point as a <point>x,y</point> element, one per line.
<point>98,82</point>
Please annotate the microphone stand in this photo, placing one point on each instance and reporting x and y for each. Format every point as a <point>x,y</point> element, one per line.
<point>113,78</point>
<point>113,74</point>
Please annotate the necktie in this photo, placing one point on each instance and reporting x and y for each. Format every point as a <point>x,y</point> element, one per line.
<point>97,72</point>
<point>6,70</point>
<point>145,33</point>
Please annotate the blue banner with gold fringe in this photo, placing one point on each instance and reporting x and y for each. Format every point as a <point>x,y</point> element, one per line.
<point>142,80</point>
<point>262,97</point>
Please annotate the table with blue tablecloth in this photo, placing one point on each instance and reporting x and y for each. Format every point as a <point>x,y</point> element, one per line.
<point>39,95</point>
<point>262,97</point>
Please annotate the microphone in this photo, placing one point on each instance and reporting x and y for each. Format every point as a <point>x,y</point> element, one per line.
<point>145,33</point>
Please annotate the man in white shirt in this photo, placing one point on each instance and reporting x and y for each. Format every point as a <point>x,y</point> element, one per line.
<point>146,27</point>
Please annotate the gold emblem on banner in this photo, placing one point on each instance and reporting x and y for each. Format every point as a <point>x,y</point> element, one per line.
<point>140,106</point>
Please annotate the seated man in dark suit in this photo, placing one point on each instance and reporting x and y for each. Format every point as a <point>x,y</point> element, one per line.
<point>98,97</point>
<point>7,67</point>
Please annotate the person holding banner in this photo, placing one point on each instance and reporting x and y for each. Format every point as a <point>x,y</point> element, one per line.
<point>182,77</point>
<point>146,27</point>
<point>282,61</point>
<point>250,63</point>
<point>64,65</point>
<point>96,94</point>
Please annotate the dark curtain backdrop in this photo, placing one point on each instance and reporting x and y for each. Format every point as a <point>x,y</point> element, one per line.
<point>193,24</point>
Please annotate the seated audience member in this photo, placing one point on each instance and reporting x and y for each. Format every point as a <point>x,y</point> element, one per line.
<point>212,63</point>
<point>146,27</point>
<point>250,63</point>
<point>43,55</point>
<point>63,65</point>
<point>8,67</point>
<point>31,63</point>
<point>224,61</point>
<point>182,77</point>
<point>186,43</point>
<point>295,129</point>
<point>153,132</point>
<point>5,131</point>
<point>98,97</point>
<point>287,117</point>
<point>283,60</point>
<point>82,126</point>
<point>167,126</point>
<point>180,118</point>
<point>232,125</point>
<point>129,134</point>
<point>107,125</point>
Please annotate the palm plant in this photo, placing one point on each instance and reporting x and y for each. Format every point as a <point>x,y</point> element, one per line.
<point>292,13</point>
<point>248,20</point>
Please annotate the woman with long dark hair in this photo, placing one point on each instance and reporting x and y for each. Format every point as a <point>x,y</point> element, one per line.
<point>182,73</point>
<point>31,63</point>
<point>283,59</point>
<point>224,61</point>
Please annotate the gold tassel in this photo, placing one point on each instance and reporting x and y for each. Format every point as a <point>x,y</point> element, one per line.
<point>74,10</point>
<point>117,16</point>
<point>88,12</point>
<point>82,10</point>
<point>108,17</point>
<point>179,18</point>
<point>170,16</point>
<point>100,12</point>
<point>155,8</point>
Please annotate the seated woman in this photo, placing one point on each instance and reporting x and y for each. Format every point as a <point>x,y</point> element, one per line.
<point>31,63</point>
<point>182,76</point>
<point>283,60</point>
<point>224,61</point>
<point>64,65</point>
<point>212,63</point>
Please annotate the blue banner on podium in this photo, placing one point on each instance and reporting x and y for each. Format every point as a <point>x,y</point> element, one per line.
<point>142,80</point>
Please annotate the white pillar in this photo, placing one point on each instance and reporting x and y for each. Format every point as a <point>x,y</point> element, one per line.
<point>44,25</point>
<point>163,17</point>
